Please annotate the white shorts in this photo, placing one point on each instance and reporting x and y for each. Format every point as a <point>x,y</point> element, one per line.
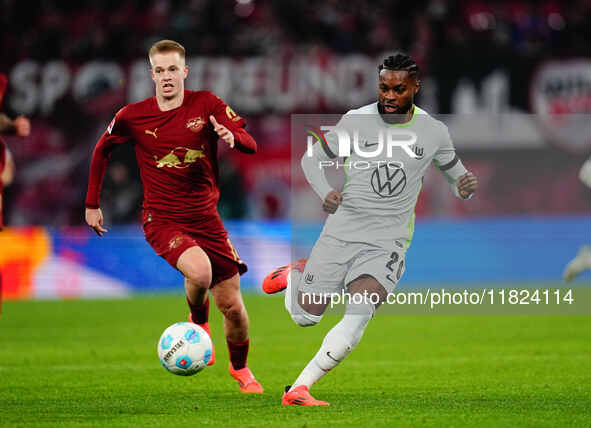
<point>334,264</point>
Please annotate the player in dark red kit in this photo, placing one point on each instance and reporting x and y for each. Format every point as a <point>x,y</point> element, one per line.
<point>175,137</point>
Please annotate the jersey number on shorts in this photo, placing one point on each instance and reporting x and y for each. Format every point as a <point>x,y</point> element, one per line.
<point>390,266</point>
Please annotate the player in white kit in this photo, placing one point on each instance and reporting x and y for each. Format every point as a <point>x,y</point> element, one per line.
<point>362,247</point>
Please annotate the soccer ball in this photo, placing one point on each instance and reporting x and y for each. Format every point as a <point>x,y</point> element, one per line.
<point>184,348</point>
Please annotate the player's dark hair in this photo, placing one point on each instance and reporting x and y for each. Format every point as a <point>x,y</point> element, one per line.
<point>400,62</point>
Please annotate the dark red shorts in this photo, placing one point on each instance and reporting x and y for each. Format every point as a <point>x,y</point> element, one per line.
<point>170,240</point>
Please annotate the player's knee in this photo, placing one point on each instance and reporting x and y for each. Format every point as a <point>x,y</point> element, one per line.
<point>234,313</point>
<point>196,267</point>
<point>304,319</point>
<point>198,276</point>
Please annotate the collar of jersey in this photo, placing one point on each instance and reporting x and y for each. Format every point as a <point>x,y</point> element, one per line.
<point>405,124</point>
<point>185,93</point>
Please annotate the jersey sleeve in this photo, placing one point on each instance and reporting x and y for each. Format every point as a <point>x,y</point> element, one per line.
<point>224,114</point>
<point>227,117</point>
<point>447,161</point>
<point>324,149</point>
<point>326,146</point>
<point>116,134</point>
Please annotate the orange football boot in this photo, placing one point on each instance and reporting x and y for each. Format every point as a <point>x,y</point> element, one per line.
<point>300,396</point>
<point>248,384</point>
<point>277,280</point>
<point>205,326</point>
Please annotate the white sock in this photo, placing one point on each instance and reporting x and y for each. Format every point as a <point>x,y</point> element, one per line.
<point>337,344</point>
<point>293,281</point>
<point>298,314</point>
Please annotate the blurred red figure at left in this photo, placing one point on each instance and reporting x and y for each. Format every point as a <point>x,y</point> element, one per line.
<point>21,126</point>
<point>175,136</point>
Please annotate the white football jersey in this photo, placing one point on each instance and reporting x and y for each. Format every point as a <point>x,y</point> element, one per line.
<point>384,173</point>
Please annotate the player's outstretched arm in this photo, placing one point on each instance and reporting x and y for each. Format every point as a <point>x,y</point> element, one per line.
<point>238,138</point>
<point>244,141</point>
<point>5,124</point>
<point>463,183</point>
<point>311,165</point>
<point>21,126</point>
<point>223,132</point>
<point>7,175</point>
<point>94,218</point>
<point>332,201</point>
<point>466,185</point>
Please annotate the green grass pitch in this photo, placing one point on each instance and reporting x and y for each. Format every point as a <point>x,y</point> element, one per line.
<point>94,363</point>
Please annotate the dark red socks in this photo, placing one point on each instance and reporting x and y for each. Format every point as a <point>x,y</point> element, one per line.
<point>199,314</point>
<point>238,354</point>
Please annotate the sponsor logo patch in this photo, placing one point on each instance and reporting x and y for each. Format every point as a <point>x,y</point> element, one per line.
<point>175,242</point>
<point>152,133</point>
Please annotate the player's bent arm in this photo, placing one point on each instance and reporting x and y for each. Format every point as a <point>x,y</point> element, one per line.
<point>585,173</point>
<point>244,142</point>
<point>314,172</point>
<point>223,117</point>
<point>452,170</point>
<point>7,175</point>
<point>462,182</point>
<point>6,125</point>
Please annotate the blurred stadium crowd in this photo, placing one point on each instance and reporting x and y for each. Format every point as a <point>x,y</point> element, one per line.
<point>121,30</point>
<point>452,41</point>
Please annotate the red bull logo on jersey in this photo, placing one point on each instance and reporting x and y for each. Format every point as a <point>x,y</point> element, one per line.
<point>195,124</point>
<point>179,157</point>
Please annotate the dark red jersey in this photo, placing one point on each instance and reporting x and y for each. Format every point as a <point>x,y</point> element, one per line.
<point>2,165</point>
<point>176,152</point>
<point>3,83</point>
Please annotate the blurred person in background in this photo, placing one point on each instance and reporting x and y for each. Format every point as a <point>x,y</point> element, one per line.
<point>582,261</point>
<point>20,127</point>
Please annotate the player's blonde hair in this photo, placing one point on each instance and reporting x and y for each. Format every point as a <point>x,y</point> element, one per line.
<point>166,46</point>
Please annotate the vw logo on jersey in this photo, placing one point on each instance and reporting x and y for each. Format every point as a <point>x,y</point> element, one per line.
<point>388,180</point>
